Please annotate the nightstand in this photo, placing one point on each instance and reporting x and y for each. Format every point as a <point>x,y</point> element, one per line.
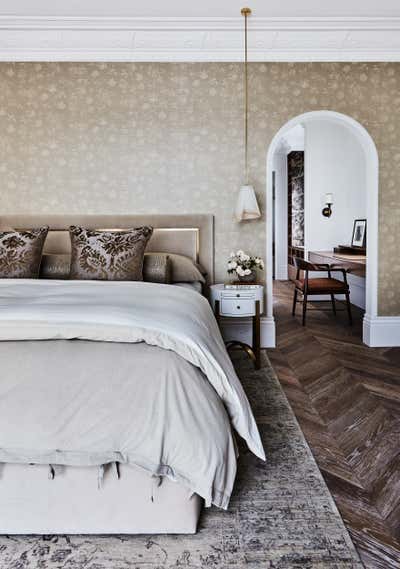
<point>248,300</point>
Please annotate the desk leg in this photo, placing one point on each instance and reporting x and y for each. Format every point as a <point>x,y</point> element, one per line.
<point>256,335</point>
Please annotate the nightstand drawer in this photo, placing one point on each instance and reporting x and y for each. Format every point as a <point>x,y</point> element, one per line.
<point>237,307</point>
<point>228,294</point>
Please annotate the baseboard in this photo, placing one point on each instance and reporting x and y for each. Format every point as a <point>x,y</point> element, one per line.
<point>381,331</point>
<point>241,329</point>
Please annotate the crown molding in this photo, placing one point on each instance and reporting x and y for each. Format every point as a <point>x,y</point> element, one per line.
<point>51,38</point>
<point>133,23</point>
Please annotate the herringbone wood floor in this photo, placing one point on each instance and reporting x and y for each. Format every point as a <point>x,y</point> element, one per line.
<point>346,398</point>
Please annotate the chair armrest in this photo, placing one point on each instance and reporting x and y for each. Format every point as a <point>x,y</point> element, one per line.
<point>303,265</point>
<point>339,269</point>
<point>320,267</point>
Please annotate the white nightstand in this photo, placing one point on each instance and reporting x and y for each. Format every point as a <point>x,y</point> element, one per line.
<point>236,303</point>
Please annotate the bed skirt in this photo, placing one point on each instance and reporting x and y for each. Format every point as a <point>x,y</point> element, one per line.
<point>77,501</point>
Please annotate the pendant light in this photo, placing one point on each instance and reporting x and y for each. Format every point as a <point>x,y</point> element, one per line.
<point>246,205</point>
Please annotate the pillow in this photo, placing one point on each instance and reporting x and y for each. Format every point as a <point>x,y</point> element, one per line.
<point>55,266</point>
<point>157,268</point>
<point>108,255</point>
<point>184,269</point>
<point>21,253</point>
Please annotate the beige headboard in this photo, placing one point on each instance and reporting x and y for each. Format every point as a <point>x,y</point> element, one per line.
<point>191,235</point>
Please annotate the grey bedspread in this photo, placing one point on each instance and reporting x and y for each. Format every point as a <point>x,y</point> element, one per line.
<point>132,372</point>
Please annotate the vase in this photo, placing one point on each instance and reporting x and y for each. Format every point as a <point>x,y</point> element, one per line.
<point>248,278</point>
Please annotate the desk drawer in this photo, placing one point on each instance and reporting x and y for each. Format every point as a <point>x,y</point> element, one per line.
<point>237,307</point>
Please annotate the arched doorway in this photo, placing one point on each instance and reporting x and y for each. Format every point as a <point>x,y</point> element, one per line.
<point>372,190</point>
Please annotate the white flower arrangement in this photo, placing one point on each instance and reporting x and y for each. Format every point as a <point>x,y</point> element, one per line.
<point>244,265</point>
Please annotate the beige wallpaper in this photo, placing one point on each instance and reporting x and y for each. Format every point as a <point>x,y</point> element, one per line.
<point>116,138</point>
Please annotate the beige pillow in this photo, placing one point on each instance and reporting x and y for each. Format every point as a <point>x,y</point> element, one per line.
<point>21,253</point>
<point>55,266</point>
<point>184,269</point>
<point>157,268</point>
<point>108,255</point>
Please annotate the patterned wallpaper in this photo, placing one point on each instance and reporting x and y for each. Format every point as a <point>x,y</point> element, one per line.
<point>295,171</point>
<point>167,138</point>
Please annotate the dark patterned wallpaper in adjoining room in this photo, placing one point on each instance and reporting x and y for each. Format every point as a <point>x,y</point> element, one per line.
<point>296,197</point>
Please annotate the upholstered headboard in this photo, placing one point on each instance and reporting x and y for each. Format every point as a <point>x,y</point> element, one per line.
<point>186,234</point>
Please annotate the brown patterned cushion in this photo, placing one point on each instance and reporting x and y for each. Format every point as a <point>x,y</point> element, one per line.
<point>21,253</point>
<point>321,285</point>
<point>108,255</point>
<point>157,268</point>
<point>55,266</point>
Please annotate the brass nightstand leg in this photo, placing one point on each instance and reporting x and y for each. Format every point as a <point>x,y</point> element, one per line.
<point>256,336</point>
<point>253,351</point>
<point>216,311</point>
<point>236,344</point>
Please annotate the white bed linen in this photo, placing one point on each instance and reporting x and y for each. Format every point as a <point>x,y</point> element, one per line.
<point>195,285</point>
<point>172,318</point>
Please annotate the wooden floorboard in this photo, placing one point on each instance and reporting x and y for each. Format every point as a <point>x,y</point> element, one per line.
<point>346,398</point>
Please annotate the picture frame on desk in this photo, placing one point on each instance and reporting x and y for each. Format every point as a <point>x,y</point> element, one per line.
<point>359,233</point>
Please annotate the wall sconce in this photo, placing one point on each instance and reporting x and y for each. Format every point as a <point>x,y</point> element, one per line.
<point>327,211</point>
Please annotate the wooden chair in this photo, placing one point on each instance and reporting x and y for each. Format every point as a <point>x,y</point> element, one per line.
<point>308,287</point>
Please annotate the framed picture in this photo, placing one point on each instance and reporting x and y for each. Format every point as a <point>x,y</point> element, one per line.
<point>359,233</point>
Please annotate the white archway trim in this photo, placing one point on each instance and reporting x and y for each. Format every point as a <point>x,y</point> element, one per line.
<point>372,191</point>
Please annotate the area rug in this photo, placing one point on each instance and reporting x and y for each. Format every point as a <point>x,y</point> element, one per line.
<point>281,515</point>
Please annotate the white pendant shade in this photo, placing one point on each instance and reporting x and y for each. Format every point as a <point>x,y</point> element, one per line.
<point>246,205</point>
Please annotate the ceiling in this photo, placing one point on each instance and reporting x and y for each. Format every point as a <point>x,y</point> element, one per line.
<point>201,8</point>
<point>199,30</point>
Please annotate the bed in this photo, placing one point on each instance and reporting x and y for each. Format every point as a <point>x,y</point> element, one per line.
<point>117,399</point>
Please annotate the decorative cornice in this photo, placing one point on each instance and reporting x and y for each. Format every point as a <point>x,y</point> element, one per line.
<point>133,23</point>
<point>32,38</point>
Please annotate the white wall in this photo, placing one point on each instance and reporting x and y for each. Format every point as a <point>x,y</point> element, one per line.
<point>280,214</point>
<point>334,163</point>
<point>293,140</point>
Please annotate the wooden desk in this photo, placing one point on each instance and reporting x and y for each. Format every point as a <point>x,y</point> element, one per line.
<point>356,277</point>
<point>354,263</point>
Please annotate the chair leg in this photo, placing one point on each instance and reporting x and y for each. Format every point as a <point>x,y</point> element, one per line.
<point>294,302</point>
<point>349,308</point>
<point>304,309</point>
<point>333,304</point>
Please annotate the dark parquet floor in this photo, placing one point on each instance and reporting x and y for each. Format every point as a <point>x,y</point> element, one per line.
<point>346,398</point>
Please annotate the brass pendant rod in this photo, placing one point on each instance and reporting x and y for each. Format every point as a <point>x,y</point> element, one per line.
<point>246,12</point>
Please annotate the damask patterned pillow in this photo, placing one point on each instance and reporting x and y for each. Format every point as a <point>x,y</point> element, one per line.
<point>21,253</point>
<point>108,255</point>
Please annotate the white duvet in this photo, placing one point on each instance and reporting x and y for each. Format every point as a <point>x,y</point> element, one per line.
<point>158,404</point>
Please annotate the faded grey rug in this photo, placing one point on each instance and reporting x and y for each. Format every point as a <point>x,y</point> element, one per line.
<point>281,515</point>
